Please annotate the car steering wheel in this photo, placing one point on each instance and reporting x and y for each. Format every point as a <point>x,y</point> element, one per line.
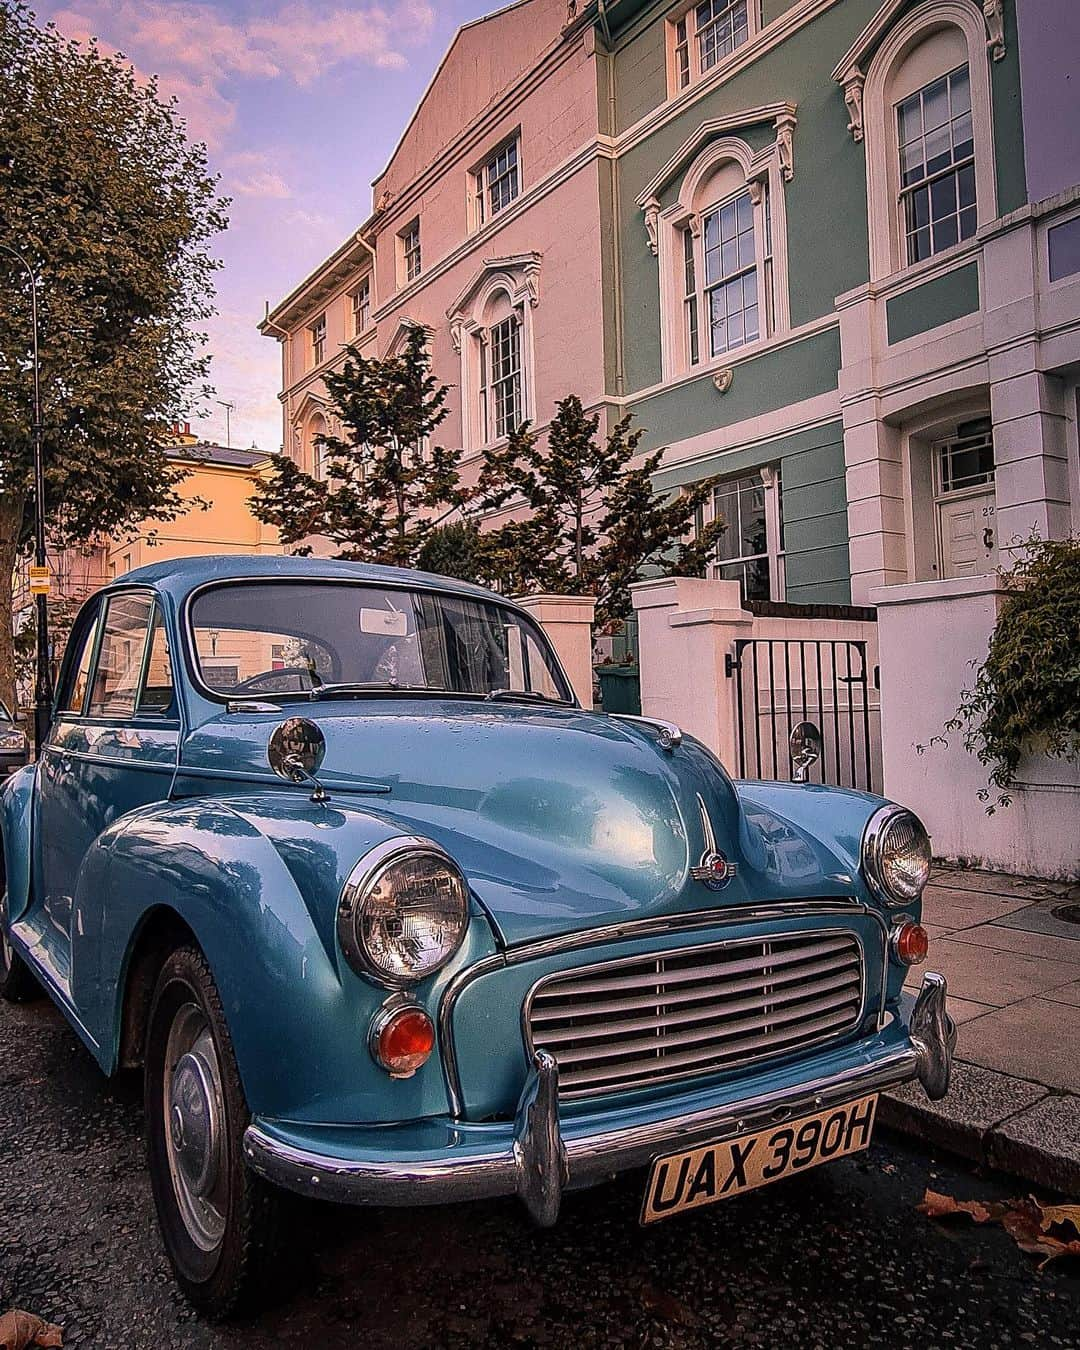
<point>250,685</point>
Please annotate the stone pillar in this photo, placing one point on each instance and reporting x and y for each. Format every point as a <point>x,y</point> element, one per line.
<point>568,620</point>
<point>1027,405</point>
<point>686,626</point>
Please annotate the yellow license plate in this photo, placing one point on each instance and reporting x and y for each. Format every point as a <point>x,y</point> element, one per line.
<point>683,1181</point>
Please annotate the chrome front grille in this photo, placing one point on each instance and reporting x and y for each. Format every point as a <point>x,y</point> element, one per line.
<point>650,1019</point>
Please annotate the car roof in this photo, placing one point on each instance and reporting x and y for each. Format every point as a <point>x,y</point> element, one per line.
<point>180,576</point>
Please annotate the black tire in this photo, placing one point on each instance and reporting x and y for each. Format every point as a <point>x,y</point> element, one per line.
<point>17,984</point>
<point>224,1243</point>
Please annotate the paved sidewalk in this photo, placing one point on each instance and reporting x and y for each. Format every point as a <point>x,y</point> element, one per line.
<point>1012,960</point>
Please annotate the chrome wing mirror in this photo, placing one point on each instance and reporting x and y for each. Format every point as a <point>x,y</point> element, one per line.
<point>804,746</point>
<point>296,750</point>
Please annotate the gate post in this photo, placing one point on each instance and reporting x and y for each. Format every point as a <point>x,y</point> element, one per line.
<point>686,627</point>
<point>568,621</point>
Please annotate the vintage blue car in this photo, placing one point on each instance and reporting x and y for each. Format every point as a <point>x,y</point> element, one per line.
<point>332,852</point>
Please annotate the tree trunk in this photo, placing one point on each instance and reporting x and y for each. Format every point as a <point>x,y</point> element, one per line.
<point>11,515</point>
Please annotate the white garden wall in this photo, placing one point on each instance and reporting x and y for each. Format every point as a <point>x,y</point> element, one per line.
<point>930,635</point>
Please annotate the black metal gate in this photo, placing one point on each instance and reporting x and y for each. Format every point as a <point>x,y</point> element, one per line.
<point>782,681</point>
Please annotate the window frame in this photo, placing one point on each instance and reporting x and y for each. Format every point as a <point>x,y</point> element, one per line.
<point>699,354</point>
<point>769,479</point>
<point>490,384</point>
<point>317,339</point>
<point>880,95</point>
<point>406,253</point>
<point>906,192</point>
<point>481,211</point>
<point>100,607</point>
<point>684,40</point>
<point>362,288</point>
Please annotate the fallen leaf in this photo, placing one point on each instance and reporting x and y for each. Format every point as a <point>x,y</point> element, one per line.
<point>937,1206</point>
<point>1026,1221</point>
<point>1024,1225</point>
<point>19,1329</point>
<point>665,1306</point>
<point>1063,1214</point>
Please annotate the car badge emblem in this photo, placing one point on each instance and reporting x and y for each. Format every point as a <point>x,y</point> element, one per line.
<point>714,869</point>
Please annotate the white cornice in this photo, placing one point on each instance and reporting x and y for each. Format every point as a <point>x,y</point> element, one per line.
<point>473,243</point>
<point>464,145</point>
<point>772,35</point>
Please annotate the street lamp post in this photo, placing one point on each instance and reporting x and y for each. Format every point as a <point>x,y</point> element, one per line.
<point>43,680</point>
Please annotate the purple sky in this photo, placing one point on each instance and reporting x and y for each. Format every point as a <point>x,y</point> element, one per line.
<point>300,106</point>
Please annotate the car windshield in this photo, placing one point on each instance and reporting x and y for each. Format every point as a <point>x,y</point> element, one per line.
<point>5,716</point>
<point>328,639</point>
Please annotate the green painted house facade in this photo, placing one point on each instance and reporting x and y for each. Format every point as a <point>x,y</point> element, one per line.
<point>818,242</point>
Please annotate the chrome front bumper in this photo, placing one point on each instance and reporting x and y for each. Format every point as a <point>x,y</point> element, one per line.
<point>545,1155</point>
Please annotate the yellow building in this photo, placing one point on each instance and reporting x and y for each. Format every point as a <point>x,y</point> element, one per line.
<point>218,476</point>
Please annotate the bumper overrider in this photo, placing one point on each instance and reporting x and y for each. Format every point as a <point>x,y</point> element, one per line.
<point>541,1154</point>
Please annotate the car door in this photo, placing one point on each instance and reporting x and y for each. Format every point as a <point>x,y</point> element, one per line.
<point>111,749</point>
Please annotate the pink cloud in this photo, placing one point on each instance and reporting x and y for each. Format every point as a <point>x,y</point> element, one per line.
<point>196,50</point>
<point>251,173</point>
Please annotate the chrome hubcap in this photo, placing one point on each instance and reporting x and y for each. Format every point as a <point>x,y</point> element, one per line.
<point>194,1127</point>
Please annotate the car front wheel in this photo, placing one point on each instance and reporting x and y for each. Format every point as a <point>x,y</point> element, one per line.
<point>17,985</point>
<point>221,1224</point>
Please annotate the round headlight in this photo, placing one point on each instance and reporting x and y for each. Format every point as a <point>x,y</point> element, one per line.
<point>896,855</point>
<point>403,911</point>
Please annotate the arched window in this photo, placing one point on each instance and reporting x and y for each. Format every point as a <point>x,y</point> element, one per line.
<point>491,327</point>
<point>501,392</point>
<point>315,456</point>
<point>720,245</point>
<point>929,139</point>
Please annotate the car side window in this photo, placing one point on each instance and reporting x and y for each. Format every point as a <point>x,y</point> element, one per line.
<point>118,673</point>
<point>156,696</point>
<point>73,697</point>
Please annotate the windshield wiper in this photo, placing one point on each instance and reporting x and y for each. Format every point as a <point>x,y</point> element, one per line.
<point>346,690</point>
<point>499,694</point>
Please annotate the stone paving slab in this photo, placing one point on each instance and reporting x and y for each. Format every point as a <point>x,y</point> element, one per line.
<point>1013,971</point>
<point>1048,1031</point>
<point>1040,919</point>
<point>1041,1143</point>
<point>1021,941</point>
<point>1068,993</point>
<point>965,909</point>
<point>978,1101</point>
<point>988,976</point>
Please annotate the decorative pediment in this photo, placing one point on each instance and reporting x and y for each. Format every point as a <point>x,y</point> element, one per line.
<point>709,145</point>
<point>520,271</point>
<point>782,116</point>
<point>404,326</point>
<point>849,70</point>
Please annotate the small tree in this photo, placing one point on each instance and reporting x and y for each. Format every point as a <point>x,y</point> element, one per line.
<point>455,549</point>
<point>113,211</point>
<point>595,525</point>
<point>1026,694</point>
<point>386,485</point>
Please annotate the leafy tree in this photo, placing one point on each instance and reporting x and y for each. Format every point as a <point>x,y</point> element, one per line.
<point>386,485</point>
<point>113,210</point>
<point>595,524</point>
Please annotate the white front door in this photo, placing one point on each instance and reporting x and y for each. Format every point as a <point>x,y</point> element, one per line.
<point>966,529</point>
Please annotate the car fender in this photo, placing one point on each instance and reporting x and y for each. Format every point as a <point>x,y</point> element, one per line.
<point>257,880</point>
<point>819,813</point>
<point>16,815</point>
